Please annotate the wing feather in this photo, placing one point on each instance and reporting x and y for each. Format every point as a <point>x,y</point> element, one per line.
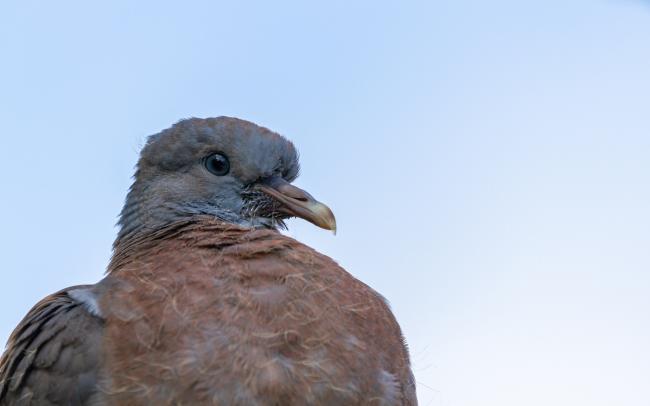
<point>52,357</point>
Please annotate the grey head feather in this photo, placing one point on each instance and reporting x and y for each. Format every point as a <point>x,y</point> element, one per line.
<point>172,183</point>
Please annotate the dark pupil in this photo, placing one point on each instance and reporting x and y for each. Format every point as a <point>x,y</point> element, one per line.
<point>218,164</point>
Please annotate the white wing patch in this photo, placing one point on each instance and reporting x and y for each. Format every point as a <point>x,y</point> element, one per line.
<point>87,300</point>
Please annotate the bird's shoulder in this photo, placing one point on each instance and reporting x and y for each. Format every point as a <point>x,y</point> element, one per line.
<point>52,356</point>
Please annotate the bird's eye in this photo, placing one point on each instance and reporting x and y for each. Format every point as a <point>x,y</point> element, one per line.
<point>217,164</point>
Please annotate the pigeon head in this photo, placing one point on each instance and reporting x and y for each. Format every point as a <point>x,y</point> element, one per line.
<point>224,167</point>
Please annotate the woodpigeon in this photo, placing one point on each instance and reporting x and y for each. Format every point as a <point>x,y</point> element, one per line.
<point>205,302</point>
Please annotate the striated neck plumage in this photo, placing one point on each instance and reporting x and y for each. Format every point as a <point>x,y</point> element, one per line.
<point>145,212</point>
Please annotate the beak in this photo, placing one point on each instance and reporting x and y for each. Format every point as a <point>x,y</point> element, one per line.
<point>296,202</point>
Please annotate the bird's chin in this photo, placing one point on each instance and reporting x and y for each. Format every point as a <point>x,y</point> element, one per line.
<point>272,223</point>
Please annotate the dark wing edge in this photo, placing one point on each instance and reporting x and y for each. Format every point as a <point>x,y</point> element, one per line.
<point>52,357</point>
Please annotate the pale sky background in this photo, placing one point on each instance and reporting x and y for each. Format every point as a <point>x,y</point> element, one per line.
<point>488,163</point>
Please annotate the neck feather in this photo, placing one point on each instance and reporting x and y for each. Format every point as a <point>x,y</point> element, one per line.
<point>145,213</point>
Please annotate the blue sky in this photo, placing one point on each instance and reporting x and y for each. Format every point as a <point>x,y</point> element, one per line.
<point>487,163</point>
